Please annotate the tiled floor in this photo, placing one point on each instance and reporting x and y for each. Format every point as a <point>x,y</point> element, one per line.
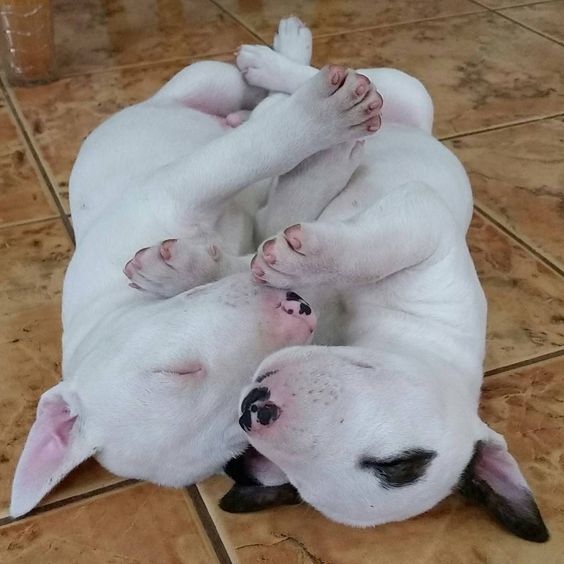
<point>495,69</point>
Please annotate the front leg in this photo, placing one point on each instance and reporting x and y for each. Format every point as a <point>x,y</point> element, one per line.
<point>304,192</point>
<point>333,107</point>
<point>407,227</point>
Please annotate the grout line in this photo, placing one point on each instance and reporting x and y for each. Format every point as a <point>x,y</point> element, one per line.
<point>531,29</point>
<point>533,3</point>
<point>35,154</point>
<point>553,267</point>
<point>499,12</point>
<point>208,524</point>
<point>68,501</point>
<point>238,20</point>
<point>500,126</point>
<point>401,23</point>
<point>29,221</point>
<point>523,363</point>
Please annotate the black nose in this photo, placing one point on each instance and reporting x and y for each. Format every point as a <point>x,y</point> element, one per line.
<point>304,306</point>
<point>267,414</point>
<point>256,406</point>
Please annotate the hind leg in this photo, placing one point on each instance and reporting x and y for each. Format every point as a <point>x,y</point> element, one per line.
<point>212,87</point>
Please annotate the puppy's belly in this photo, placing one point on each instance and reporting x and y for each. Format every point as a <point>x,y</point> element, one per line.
<point>128,148</point>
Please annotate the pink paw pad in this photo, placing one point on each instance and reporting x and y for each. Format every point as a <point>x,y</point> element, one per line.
<point>268,251</point>
<point>337,74</point>
<point>293,236</point>
<point>134,264</point>
<point>165,249</point>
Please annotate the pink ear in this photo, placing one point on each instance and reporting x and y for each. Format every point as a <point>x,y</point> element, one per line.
<point>493,479</point>
<point>53,448</point>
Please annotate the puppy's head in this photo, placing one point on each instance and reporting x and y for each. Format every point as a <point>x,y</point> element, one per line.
<point>152,391</point>
<point>371,442</point>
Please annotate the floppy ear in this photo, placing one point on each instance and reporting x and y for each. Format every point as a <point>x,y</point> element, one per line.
<point>493,478</point>
<point>53,448</point>
<point>247,499</point>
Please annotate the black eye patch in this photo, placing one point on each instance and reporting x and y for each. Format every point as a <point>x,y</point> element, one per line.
<point>401,470</point>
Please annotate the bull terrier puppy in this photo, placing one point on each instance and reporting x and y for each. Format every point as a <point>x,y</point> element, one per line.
<point>385,425</point>
<point>150,372</point>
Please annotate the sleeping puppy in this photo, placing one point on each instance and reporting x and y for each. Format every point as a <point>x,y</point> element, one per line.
<point>384,425</point>
<point>150,372</point>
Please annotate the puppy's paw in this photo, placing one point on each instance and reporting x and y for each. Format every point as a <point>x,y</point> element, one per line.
<point>294,40</point>
<point>294,258</point>
<point>172,267</point>
<point>342,104</point>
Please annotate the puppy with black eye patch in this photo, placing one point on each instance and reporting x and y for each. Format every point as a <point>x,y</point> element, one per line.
<point>378,420</point>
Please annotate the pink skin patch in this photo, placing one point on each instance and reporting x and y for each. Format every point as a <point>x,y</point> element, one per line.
<point>291,320</point>
<point>52,449</point>
<point>498,468</point>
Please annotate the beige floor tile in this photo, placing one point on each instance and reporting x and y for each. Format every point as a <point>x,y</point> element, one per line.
<point>61,114</point>
<point>481,70</point>
<point>96,34</point>
<point>517,176</point>
<point>142,524</point>
<point>548,18</point>
<point>525,298</point>
<point>23,196</point>
<point>33,258</point>
<point>334,16</point>
<point>525,406</point>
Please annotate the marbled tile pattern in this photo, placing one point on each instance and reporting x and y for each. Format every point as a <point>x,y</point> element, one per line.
<point>481,70</point>
<point>33,258</point>
<point>334,16</point>
<point>137,524</point>
<point>485,71</point>
<point>547,18</point>
<point>525,298</point>
<point>23,196</point>
<point>517,175</point>
<point>116,33</point>
<point>526,406</point>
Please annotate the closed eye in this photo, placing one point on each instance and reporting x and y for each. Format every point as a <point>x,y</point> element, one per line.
<point>402,470</point>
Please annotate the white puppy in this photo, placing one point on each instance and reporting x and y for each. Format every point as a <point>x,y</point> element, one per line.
<point>385,426</point>
<point>149,384</point>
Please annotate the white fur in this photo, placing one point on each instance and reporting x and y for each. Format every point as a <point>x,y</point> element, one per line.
<point>387,264</point>
<point>149,384</point>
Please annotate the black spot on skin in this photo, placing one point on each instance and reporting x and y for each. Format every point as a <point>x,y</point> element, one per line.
<point>265,375</point>
<point>256,394</point>
<point>246,499</point>
<point>304,308</point>
<point>402,470</point>
<point>245,421</point>
<point>521,516</point>
<point>237,469</point>
<point>293,297</point>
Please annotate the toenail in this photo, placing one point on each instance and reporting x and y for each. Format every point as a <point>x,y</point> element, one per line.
<point>140,252</point>
<point>360,90</point>
<point>258,271</point>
